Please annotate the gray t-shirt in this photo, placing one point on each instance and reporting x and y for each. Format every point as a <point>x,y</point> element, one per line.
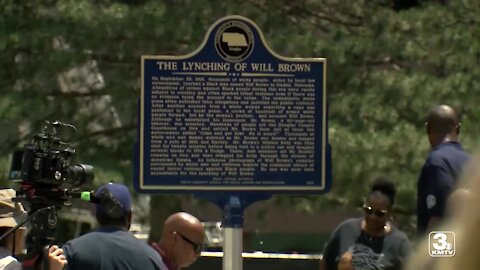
<point>368,253</point>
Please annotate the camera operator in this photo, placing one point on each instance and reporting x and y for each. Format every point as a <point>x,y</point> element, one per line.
<point>10,215</point>
<point>111,246</point>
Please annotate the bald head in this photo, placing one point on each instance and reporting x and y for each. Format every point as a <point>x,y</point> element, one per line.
<point>443,119</point>
<point>182,222</point>
<point>183,236</point>
<point>442,125</point>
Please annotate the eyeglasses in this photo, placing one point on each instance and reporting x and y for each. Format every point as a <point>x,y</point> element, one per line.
<point>377,212</point>
<point>197,248</point>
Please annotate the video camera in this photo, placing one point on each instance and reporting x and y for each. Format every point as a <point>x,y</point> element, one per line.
<point>46,160</point>
<point>48,180</point>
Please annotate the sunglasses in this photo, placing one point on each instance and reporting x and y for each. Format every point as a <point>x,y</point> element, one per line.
<point>197,248</point>
<point>371,211</point>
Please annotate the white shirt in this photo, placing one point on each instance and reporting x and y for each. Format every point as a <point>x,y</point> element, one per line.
<point>7,262</point>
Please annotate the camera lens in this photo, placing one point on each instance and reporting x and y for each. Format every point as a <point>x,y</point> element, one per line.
<point>80,174</point>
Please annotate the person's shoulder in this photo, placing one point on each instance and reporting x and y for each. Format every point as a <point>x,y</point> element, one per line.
<point>73,246</point>
<point>13,266</point>
<point>398,234</point>
<point>161,264</point>
<point>447,151</point>
<point>350,223</point>
<point>90,240</point>
<point>10,263</point>
<point>446,160</point>
<point>142,245</point>
<point>349,227</point>
<point>154,256</point>
<point>137,244</point>
<point>437,159</point>
<point>437,154</point>
<point>85,237</point>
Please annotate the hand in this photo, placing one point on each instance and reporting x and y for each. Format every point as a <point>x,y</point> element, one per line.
<point>56,259</point>
<point>345,262</point>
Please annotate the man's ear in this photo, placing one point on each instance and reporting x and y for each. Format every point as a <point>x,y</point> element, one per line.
<point>129,220</point>
<point>458,128</point>
<point>174,236</point>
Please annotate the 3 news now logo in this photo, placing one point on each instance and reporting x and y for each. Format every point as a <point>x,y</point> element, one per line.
<point>441,244</point>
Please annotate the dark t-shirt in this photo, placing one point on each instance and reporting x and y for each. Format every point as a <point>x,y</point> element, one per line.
<point>110,249</point>
<point>372,253</point>
<point>437,180</point>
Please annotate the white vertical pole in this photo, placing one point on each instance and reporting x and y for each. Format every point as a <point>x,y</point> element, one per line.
<point>232,248</point>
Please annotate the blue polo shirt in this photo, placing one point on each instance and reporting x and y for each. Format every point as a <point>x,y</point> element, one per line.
<point>110,249</point>
<point>437,180</point>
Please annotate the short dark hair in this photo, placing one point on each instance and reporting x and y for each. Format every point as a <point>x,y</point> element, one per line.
<point>106,221</point>
<point>386,187</point>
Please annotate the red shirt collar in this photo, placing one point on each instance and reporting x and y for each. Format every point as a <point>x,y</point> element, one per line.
<point>166,261</point>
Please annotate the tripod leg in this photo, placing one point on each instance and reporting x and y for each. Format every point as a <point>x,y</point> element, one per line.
<point>45,261</point>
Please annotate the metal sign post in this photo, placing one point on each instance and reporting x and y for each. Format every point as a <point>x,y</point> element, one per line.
<point>233,207</point>
<point>232,249</point>
<point>233,234</point>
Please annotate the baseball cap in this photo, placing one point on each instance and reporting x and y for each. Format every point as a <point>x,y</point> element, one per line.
<point>118,196</point>
<point>11,213</point>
